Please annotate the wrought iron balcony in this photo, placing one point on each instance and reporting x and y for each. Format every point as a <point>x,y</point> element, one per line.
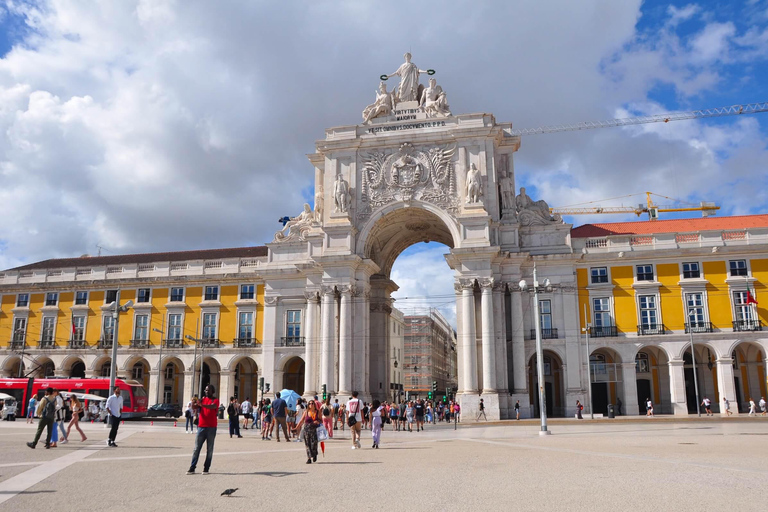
<point>695,327</point>
<point>747,325</point>
<point>292,341</point>
<point>209,343</point>
<point>139,343</point>
<point>77,344</point>
<point>244,342</point>
<point>18,345</point>
<point>105,344</point>
<point>603,332</point>
<point>174,343</point>
<point>651,329</point>
<point>47,344</point>
<point>546,334</point>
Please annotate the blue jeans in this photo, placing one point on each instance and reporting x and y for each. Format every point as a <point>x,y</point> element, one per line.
<point>190,425</point>
<point>204,435</point>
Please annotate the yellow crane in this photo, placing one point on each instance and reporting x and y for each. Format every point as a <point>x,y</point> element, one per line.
<point>651,208</point>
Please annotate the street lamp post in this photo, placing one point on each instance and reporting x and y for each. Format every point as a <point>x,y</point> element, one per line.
<point>691,312</point>
<point>116,310</point>
<point>202,362</point>
<point>161,330</point>
<point>23,346</point>
<point>539,350</point>
<point>589,364</point>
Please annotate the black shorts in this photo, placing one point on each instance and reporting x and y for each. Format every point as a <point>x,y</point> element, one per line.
<point>248,416</point>
<point>402,418</point>
<point>420,417</point>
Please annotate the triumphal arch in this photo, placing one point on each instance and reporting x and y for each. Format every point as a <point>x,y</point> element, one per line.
<point>413,171</point>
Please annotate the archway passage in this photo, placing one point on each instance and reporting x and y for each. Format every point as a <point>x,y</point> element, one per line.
<point>14,367</point>
<point>706,377</point>
<point>139,371</point>
<point>748,374</point>
<point>46,368</point>
<point>606,379</point>
<point>652,375</point>
<point>172,382</point>
<point>209,374</point>
<point>553,384</point>
<point>293,375</point>
<point>246,379</point>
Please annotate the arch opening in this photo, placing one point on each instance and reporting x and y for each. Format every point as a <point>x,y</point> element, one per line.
<point>554,384</point>
<point>748,374</point>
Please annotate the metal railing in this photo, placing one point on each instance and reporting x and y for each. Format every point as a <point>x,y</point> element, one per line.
<point>603,332</point>
<point>651,329</point>
<point>244,342</point>
<point>18,345</point>
<point>546,334</point>
<point>47,344</point>
<point>74,344</point>
<point>292,341</point>
<point>139,343</point>
<point>209,343</point>
<point>747,325</point>
<point>174,343</point>
<point>104,344</point>
<point>698,327</point>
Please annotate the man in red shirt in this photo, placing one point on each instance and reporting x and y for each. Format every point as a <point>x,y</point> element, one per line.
<point>206,432</point>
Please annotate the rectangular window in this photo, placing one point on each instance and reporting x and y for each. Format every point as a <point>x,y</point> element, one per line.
<point>641,363</point>
<point>174,326</point>
<point>744,312</point>
<point>22,300</point>
<point>545,314</point>
<point>211,293</point>
<point>51,299</point>
<point>209,326</point>
<point>138,372</point>
<point>110,296</point>
<point>245,329</point>
<point>599,275</point>
<point>108,330</point>
<point>645,272</point>
<point>602,309</point>
<point>648,314</point>
<point>81,298</point>
<point>247,291</point>
<point>177,294</point>
<point>691,271</point>
<point>141,331</point>
<point>143,295</point>
<point>293,324</point>
<point>694,303</point>
<point>78,328</point>
<point>19,329</point>
<point>738,267</point>
<point>49,323</point>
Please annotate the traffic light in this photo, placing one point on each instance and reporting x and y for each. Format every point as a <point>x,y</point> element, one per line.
<point>434,386</point>
<point>261,384</point>
<point>444,400</point>
<point>325,392</point>
<point>267,387</point>
<point>429,396</point>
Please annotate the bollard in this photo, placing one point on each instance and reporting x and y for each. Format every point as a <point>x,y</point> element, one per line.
<point>174,423</point>
<point>91,422</point>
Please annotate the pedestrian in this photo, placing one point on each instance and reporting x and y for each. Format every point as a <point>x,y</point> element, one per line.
<point>279,407</point>
<point>366,410</point>
<point>394,414</point>
<point>336,407</point>
<point>245,407</point>
<point>707,404</point>
<point>402,407</point>
<point>343,416</point>
<point>189,415</point>
<point>751,407</point>
<point>355,421</point>
<point>517,410</point>
<point>727,404</point>
<point>482,411</point>
<point>233,413</point>
<point>762,405</point>
<point>31,409</point>
<point>377,414</point>
<point>326,412</point>
<point>115,410</point>
<point>428,415</point>
<point>60,418</point>
<point>648,407</point>
<point>579,408</point>
<point>457,411</point>
<point>419,410</point>
<point>93,409</point>
<point>46,410</point>
<point>409,413</point>
<point>206,429</point>
<point>619,403</point>
<point>77,408</point>
<point>266,421</point>
<point>310,420</point>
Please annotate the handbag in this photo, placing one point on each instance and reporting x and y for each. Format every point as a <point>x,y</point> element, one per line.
<point>351,420</point>
<point>322,433</point>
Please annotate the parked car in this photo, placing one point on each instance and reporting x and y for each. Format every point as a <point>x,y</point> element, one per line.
<point>164,410</point>
<point>9,410</point>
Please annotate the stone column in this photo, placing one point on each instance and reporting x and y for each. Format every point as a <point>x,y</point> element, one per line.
<point>361,344</point>
<point>188,392</point>
<point>227,387</point>
<point>311,345</point>
<point>519,373</point>
<point>487,326</point>
<point>328,339</point>
<point>500,335</point>
<point>726,384</point>
<point>270,342</point>
<point>468,336</point>
<point>459,339</point>
<point>629,375</point>
<point>677,387</point>
<point>154,375</point>
<point>345,341</point>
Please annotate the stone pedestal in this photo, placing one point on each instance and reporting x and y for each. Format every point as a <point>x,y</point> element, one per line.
<point>470,405</point>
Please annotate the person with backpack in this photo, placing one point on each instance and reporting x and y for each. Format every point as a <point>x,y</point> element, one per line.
<point>46,411</point>
<point>326,412</point>
<point>233,413</point>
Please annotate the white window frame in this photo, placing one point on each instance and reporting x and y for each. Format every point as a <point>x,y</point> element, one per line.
<point>47,294</point>
<point>170,293</point>
<point>704,310</point>
<point>209,314</point>
<point>240,291</point>
<point>742,306</point>
<point>639,360</point>
<point>106,295</point>
<point>592,277</point>
<point>656,310</point>
<point>697,263</point>
<point>86,298</point>
<point>252,324</point>
<point>746,268</point>
<point>300,322</point>
<point>52,321</point>
<point>136,326</point>
<point>107,318</point>
<point>19,336</point>
<point>27,295</point>
<point>79,329</point>
<point>149,296</point>
<point>609,311</point>
<point>205,292</point>
<point>547,314</point>
<point>644,265</point>
<point>180,326</point>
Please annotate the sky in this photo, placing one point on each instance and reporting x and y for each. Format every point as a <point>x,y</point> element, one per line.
<point>158,125</point>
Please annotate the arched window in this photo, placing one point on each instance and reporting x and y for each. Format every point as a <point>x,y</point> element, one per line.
<point>169,371</point>
<point>642,364</point>
<point>138,371</point>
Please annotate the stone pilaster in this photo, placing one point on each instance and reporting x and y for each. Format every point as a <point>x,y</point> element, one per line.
<point>726,385</point>
<point>629,376</point>
<point>311,345</point>
<point>328,339</point>
<point>345,341</point>
<point>677,387</point>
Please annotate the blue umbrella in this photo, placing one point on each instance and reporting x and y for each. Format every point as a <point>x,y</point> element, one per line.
<point>290,398</point>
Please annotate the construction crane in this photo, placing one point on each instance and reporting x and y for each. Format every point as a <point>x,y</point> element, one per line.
<point>733,110</point>
<point>650,208</point>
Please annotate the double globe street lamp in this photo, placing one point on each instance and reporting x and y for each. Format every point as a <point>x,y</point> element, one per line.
<point>116,309</point>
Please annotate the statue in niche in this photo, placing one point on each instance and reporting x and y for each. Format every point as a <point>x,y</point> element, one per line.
<point>474,187</point>
<point>408,90</point>
<point>297,227</point>
<point>319,205</point>
<point>532,212</point>
<point>341,195</point>
<point>507,189</point>
<point>433,100</point>
<point>383,106</point>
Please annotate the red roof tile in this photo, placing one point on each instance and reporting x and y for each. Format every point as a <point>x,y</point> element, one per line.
<point>671,226</point>
<point>123,259</point>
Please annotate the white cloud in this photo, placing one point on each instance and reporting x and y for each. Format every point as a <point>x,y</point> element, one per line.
<point>425,281</point>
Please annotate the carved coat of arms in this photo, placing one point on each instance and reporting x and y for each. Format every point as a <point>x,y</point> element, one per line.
<point>406,174</point>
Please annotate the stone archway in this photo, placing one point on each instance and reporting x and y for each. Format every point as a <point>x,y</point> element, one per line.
<point>607,378</point>
<point>706,376</point>
<point>293,375</point>
<point>74,367</point>
<point>748,374</point>
<point>652,380</point>
<point>13,366</point>
<point>172,381</point>
<point>245,380</point>
<point>554,384</point>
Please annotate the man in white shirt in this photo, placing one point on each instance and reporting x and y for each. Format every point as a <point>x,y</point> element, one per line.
<point>762,405</point>
<point>115,410</point>
<point>245,408</point>
<point>355,410</point>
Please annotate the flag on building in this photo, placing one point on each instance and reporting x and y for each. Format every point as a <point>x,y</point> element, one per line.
<point>750,297</point>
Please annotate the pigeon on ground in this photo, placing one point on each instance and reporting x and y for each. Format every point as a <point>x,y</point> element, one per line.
<point>229,492</point>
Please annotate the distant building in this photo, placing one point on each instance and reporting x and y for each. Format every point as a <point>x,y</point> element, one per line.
<point>396,339</point>
<point>430,354</point>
